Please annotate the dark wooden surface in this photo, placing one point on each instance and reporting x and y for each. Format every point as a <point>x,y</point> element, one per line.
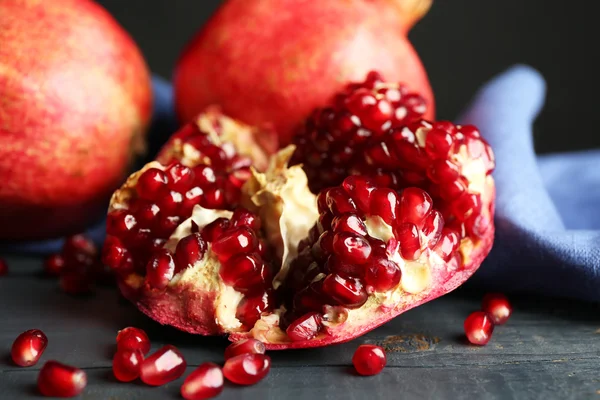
<point>550,349</point>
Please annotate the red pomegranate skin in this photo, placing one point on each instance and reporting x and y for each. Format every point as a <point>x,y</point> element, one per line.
<point>270,62</point>
<point>75,103</point>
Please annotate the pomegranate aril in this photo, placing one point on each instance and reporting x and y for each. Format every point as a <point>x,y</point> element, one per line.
<point>250,308</point>
<point>415,204</point>
<point>351,248</point>
<point>126,364</point>
<point>53,265</point>
<point>114,254</point>
<point>234,241</point>
<point>245,272</point>
<point>79,244</point>
<point>170,203</point>
<point>306,327</point>
<point>382,275</point>
<point>448,244</point>
<point>334,264</point>
<point>180,177</point>
<point>360,189</point>
<point>339,202</point>
<point>407,235</point>
<point>348,292</point>
<point>160,269</point>
<point>374,113</point>
<point>132,338</point>
<point>384,203</point>
<point>145,212</point>
<point>497,306</point>
<point>454,189</point>
<point>369,359</point>
<point>60,380</point>
<point>479,327</point>
<point>163,366</point>
<point>205,175</point>
<point>247,369</point>
<point>151,183</point>
<point>349,223</point>
<point>438,143</point>
<point>432,228</point>
<point>215,229</point>
<point>189,251</point>
<point>120,223</point>
<point>28,347</point>
<point>204,382</point>
<point>243,217</point>
<point>443,171</point>
<point>3,267</point>
<point>166,225</point>
<point>214,198</point>
<point>467,205</point>
<point>246,346</point>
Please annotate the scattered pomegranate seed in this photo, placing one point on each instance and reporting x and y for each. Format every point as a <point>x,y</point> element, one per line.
<point>497,306</point>
<point>126,364</point>
<point>60,380</point>
<point>246,346</point>
<point>3,267</point>
<point>163,366</point>
<point>479,327</point>
<point>204,382</point>
<point>247,369</point>
<point>54,264</point>
<point>132,338</point>
<point>28,347</point>
<point>369,359</point>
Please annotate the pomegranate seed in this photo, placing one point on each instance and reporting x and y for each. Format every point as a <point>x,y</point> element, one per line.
<point>131,338</point>
<point>53,265</point>
<point>3,267</point>
<point>382,275</point>
<point>204,382</point>
<point>334,264</point>
<point>479,327</point>
<point>447,244</point>
<point>351,248</point>
<point>497,306</point>
<point>384,203</point>
<point>189,251</point>
<point>152,182</point>
<point>306,327</point>
<point>373,113</point>
<point>79,244</point>
<point>166,225</point>
<point>247,369</point>
<point>349,223</point>
<point>145,212</point>
<point>28,347</point>
<point>114,254</point>
<point>245,272</point>
<point>438,143</point>
<point>432,227</point>
<point>443,171</point>
<point>246,346</point>
<point>205,175</point>
<point>415,204</point>
<point>234,241</point>
<point>369,359</point>
<point>348,292</point>
<point>163,366</point>
<point>215,229</point>
<point>410,243</point>
<point>251,308</point>
<point>180,177</point>
<point>466,205</point>
<point>243,217</point>
<point>60,380</point>
<point>120,223</point>
<point>126,364</point>
<point>339,202</point>
<point>171,202</point>
<point>160,269</point>
<point>360,188</point>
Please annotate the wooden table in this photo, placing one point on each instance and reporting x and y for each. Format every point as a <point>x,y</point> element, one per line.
<point>549,349</point>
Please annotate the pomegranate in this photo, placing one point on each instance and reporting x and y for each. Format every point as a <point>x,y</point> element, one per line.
<point>320,46</point>
<point>3,267</point>
<point>28,347</point>
<point>54,134</point>
<point>246,346</point>
<point>60,380</point>
<point>203,241</point>
<point>479,327</point>
<point>126,364</point>
<point>204,382</point>
<point>132,338</point>
<point>497,306</point>
<point>369,359</point>
<point>247,369</point>
<point>163,366</point>
<point>54,264</point>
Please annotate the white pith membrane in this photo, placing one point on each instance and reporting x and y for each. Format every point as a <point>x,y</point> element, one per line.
<point>287,209</point>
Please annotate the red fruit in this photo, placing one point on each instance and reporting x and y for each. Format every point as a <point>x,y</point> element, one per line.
<point>369,359</point>
<point>3,267</point>
<point>60,380</point>
<point>28,347</point>
<point>126,365</point>
<point>305,327</point>
<point>204,382</point>
<point>189,251</point>
<point>246,346</point>
<point>132,338</point>
<point>479,327</point>
<point>343,41</point>
<point>497,306</point>
<point>54,264</point>
<point>247,369</point>
<point>163,366</point>
<point>64,155</point>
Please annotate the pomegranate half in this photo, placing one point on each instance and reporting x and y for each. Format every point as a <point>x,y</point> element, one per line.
<point>213,239</point>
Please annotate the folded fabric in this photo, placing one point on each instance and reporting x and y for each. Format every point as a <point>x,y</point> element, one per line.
<point>547,226</point>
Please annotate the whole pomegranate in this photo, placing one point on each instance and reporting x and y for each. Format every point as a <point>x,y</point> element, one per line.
<point>273,61</point>
<point>75,102</point>
<point>211,239</point>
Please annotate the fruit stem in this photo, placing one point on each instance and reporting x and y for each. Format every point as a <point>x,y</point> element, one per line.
<point>411,11</point>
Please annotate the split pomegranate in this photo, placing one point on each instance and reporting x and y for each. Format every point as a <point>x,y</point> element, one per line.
<point>497,306</point>
<point>369,359</point>
<point>247,369</point>
<point>60,380</point>
<point>212,241</point>
<point>163,366</point>
<point>3,267</point>
<point>479,327</point>
<point>28,347</point>
<point>126,364</point>
<point>246,346</point>
<point>132,338</point>
<point>204,382</point>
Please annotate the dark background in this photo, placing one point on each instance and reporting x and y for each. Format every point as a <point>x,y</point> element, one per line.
<point>462,44</point>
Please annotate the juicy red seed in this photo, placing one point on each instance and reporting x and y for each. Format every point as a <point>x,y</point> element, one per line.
<point>466,205</point>
<point>310,298</point>
<point>322,201</point>
<point>180,177</point>
<point>306,327</point>
<point>443,171</point>
<point>114,254</point>
<point>447,244</point>
<point>334,264</point>
<point>479,327</point>
<point>470,131</point>
<point>214,198</point>
<point>204,382</point>
<point>189,251</point>
<point>215,229</point>
<point>126,365</point>
<point>120,223</point>
<point>250,308</point>
<point>349,223</point>
<point>369,359</point>
<point>497,306</point>
<point>348,292</point>
<point>339,202</point>
<point>446,126</point>
<point>360,189</point>
<point>205,175</point>
<point>351,248</point>
<point>243,217</point>
<point>410,243</point>
<point>53,265</point>
<point>131,338</point>
<point>146,212</point>
<point>79,244</point>
<point>432,227</point>
<point>191,197</point>
<point>378,247</point>
<point>384,203</point>
<point>151,183</point>
<point>245,272</point>
<point>325,221</point>
<point>166,225</point>
<point>3,267</point>
<point>477,225</point>
<point>454,189</point>
<point>438,143</point>
<point>163,366</point>
<point>373,113</point>
<point>160,269</point>
<point>170,202</point>
<point>28,347</point>
<point>60,380</point>
<point>247,369</point>
<point>234,241</point>
<point>415,204</point>
<point>246,346</point>
<point>382,275</point>
<point>77,280</point>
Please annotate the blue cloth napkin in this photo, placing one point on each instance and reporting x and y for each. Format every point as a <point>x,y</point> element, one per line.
<point>547,225</point>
